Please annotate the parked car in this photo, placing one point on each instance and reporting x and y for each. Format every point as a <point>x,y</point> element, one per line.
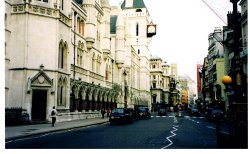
<point>133,113</point>
<point>162,112</point>
<point>120,115</point>
<point>143,113</point>
<point>214,114</point>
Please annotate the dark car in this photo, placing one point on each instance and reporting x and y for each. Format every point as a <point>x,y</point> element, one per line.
<point>133,113</point>
<point>162,112</point>
<point>143,113</point>
<point>214,114</point>
<point>120,115</point>
<point>194,112</point>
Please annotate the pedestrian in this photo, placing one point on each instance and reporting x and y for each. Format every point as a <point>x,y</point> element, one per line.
<point>103,112</point>
<point>108,112</point>
<point>53,116</point>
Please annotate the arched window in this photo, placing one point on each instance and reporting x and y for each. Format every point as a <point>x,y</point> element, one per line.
<point>60,61</point>
<point>93,63</point>
<point>106,72</point>
<point>62,55</point>
<point>82,27</point>
<point>78,25</point>
<point>98,64</point>
<point>80,51</point>
<point>137,29</point>
<point>61,92</point>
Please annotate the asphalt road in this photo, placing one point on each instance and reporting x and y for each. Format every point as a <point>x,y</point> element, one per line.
<point>167,132</point>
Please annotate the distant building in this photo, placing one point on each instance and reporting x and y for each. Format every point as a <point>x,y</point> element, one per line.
<point>174,71</point>
<point>212,93</point>
<point>159,79</point>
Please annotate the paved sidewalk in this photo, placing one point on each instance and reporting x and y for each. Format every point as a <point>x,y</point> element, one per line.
<point>16,132</point>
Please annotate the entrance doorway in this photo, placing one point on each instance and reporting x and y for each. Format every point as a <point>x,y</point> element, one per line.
<point>39,104</point>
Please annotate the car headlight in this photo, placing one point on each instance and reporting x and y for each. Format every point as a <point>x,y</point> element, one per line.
<point>112,117</point>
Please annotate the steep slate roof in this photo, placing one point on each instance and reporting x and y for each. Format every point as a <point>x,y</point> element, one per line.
<point>136,4</point>
<point>113,20</point>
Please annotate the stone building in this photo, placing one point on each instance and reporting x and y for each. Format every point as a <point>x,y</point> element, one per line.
<point>159,79</point>
<point>214,95</point>
<point>77,55</point>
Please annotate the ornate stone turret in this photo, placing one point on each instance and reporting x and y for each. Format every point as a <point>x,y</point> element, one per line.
<point>120,41</point>
<point>106,28</point>
<point>89,5</point>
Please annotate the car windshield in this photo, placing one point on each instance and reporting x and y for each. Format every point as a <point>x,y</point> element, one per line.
<point>217,111</point>
<point>117,111</point>
<point>143,109</point>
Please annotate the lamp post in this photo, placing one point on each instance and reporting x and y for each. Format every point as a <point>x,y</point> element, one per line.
<point>125,89</point>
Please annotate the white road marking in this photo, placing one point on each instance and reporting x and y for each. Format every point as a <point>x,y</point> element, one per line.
<point>168,138</point>
<point>211,127</point>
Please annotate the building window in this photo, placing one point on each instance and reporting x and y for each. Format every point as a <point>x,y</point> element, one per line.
<point>154,98</point>
<point>82,28</point>
<point>93,63</point>
<point>138,10</point>
<point>137,29</point>
<point>62,61</point>
<point>61,5</point>
<point>138,51</point>
<point>61,92</point>
<point>106,73</point>
<point>154,85</point>
<point>5,21</point>
<point>98,64</point>
<point>46,1</point>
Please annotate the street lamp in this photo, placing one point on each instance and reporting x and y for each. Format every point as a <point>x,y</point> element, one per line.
<point>125,89</point>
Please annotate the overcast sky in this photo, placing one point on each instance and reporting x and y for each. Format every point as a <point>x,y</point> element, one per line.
<point>183,27</point>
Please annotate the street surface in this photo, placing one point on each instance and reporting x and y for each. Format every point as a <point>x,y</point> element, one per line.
<point>166,132</point>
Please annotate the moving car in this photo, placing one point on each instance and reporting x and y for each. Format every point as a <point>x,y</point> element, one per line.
<point>162,112</point>
<point>120,115</point>
<point>143,113</point>
<point>195,112</point>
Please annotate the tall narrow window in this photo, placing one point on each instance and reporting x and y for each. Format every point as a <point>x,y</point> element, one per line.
<point>137,29</point>
<point>5,21</point>
<point>62,57</point>
<point>61,98</point>
<point>82,27</point>
<point>78,57</point>
<point>62,4</point>
<point>93,63</point>
<point>78,25</point>
<point>61,92</point>
<point>81,58</point>
<point>106,72</point>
